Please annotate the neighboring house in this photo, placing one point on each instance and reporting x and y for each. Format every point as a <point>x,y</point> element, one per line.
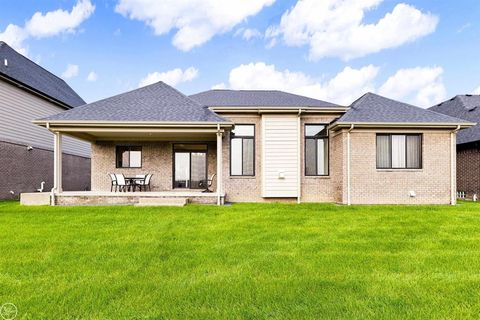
<point>264,146</point>
<point>468,140</point>
<point>27,92</point>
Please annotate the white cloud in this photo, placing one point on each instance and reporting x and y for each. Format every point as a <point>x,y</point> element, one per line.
<point>335,28</point>
<point>248,33</point>
<point>195,21</point>
<point>59,21</point>
<point>343,88</point>
<point>92,76</point>
<point>14,36</point>
<point>49,24</point>
<point>171,77</point>
<point>71,71</point>
<point>421,86</point>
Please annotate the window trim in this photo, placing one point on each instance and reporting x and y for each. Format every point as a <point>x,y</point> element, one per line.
<point>190,161</point>
<point>129,147</point>
<point>305,137</point>
<point>389,135</point>
<point>254,149</point>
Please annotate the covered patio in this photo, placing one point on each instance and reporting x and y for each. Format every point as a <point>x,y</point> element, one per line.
<point>153,130</point>
<point>185,161</point>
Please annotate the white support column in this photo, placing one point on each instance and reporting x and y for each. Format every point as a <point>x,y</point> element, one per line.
<point>57,162</point>
<point>219,166</point>
<point>453,168</point>
<point>299,155</point>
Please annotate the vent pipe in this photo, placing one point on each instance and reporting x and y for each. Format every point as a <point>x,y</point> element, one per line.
<point>5,62</point>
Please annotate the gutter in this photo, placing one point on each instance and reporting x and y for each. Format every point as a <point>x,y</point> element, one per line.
<point>123,124</point>
<point>349,197</point>
<point>35,92</point>
<point>403,125</point>
<point>278,109</point>
<point>299,155</point>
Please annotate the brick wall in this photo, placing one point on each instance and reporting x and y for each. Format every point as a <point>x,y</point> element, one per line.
<point>368,185</point>
<point>243,189</point>
<point>379,186</point>
<point>321,188</point>
<point>314,189</point>
<point>157,159</point>
<point>468,169</point>
<point>23,171</point>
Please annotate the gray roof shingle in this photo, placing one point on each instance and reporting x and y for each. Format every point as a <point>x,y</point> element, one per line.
<point>155,102</point>
<point>373,108</point>
<point>30,74</point>
<point>464,107</point>
<point>257,98</point>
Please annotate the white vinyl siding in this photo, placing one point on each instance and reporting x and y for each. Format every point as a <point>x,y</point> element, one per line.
<point>17,110</point>
<point>280,156</point>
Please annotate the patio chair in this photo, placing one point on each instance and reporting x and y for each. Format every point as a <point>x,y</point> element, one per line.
<point>113,179</point>
<point>121,182</point>
<point>144,183</point>
<point>208,183</point>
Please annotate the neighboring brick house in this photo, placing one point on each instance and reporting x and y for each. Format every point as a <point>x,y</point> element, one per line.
<point>263,146</point>
<point>468,140</point>
<point>27,92</point>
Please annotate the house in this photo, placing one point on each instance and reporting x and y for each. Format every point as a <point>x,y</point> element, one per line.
<point>468,140</point>
<point>28,92</point>
<point>263,146</point>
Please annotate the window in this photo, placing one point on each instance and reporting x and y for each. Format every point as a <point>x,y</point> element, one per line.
<point>129,157</point>
<point>316,150</point>
<point>242,150</point>
<point>399,151</point>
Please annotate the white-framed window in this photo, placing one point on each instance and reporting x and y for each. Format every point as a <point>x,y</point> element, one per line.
<point>242,150</point>
<point>316,150</point>
<point>399,151</point>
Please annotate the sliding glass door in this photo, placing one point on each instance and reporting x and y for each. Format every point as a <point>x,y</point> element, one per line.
<point>190,166</point>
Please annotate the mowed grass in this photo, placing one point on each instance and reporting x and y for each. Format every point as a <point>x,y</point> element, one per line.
<point>245,261</point>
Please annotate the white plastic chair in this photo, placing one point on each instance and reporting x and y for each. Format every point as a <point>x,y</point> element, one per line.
<point>113,179</point>
<point>121,182</point>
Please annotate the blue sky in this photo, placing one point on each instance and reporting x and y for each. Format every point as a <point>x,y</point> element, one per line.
<point>416,51</point>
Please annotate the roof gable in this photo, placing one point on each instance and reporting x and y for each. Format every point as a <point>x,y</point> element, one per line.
<point>157,102</point>
<point>30,74</point>
<point>257,98</point>
<point>464,107</point>
<point>373,108</point>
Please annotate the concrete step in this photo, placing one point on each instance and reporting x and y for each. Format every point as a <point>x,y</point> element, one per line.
<point>162,201</point>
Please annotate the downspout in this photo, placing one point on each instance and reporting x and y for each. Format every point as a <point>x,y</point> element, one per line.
<point>52,192</point>
<point>349,199</point>
<point>453,167</point>
<point>299,153</point>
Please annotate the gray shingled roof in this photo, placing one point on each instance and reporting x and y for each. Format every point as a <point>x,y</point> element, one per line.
<point>257,98</point>
<point>372,108</point>
<point>156,102</point>
<point>30,74</point>
<point>464,107</point>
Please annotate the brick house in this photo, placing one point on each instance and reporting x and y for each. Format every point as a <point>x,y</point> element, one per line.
<point>468,140</point>
<point>28,92</point>
<point>262,146</point>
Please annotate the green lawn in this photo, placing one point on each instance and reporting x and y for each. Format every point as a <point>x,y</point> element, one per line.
<point>246,261</point>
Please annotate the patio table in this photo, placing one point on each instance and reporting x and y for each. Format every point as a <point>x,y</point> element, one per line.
<point>131,181</point>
